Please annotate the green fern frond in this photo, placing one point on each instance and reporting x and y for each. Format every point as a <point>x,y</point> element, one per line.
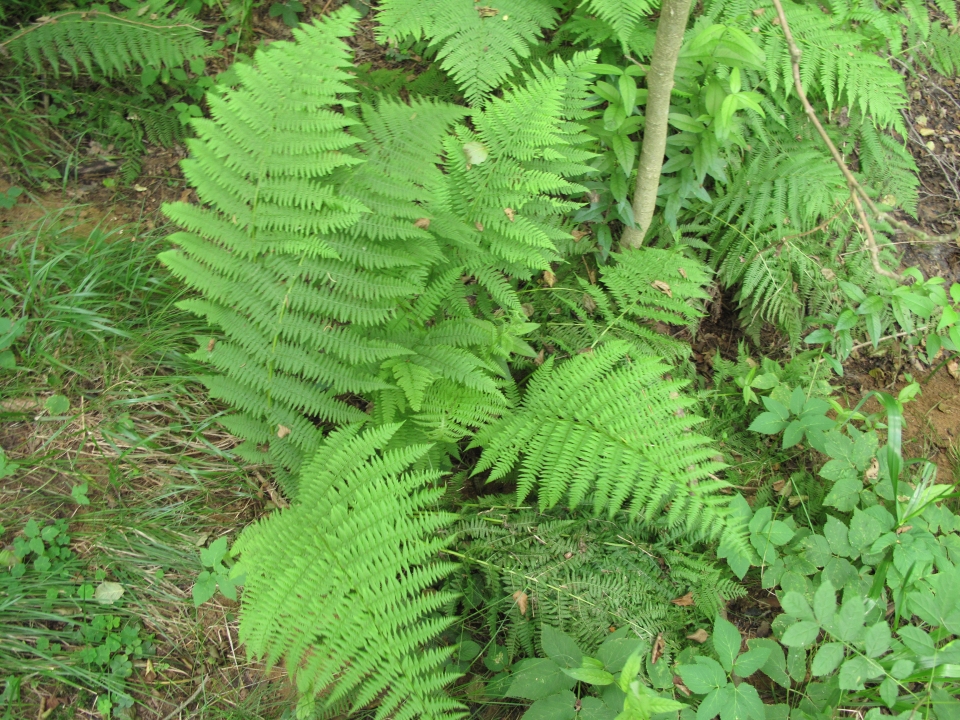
<point>622,15</point>
<point>606,428</point>
<point>580,573</point>
<point>347,611</point>
<point>943,49</point>
<point>479,45</point>
<point>106,43</point>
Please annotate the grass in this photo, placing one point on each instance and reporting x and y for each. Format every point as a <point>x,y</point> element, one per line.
<point>142,440</point>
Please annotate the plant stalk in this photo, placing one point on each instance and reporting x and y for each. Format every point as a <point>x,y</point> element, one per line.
<point>666,50</point>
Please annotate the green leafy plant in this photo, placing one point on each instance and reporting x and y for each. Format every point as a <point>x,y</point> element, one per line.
<point>613,675</point>
<point>217,574</point>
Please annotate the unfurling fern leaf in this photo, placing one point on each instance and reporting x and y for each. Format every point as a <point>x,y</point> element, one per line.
<point>336,584</point>
<point>107,43</point>
<point>608,429</point>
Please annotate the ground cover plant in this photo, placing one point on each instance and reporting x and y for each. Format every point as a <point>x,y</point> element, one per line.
<point>450,324</point>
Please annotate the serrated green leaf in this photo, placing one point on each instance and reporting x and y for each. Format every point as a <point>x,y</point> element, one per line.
<point>726,642</point>
<point>592,675</point>
<point>703,677</point>
<point>801,634</point>
<point>767,423</point>
<point>560,647</point>
<point>538,678</point>
<point>751,661</point>
<point>827,659</point>
<point>856,671</point>
<point>560,706</point>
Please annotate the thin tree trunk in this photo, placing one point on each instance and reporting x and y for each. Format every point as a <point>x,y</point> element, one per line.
<point>666,49</point>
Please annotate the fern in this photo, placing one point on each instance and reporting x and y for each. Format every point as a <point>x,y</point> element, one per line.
<point>943,50</point>
<point>479,44</point>
<point>641,293</point>
<point>333,244</point>
<point>348,611</point>
<point>608,429</point>
<point>581,574</point>
<point>107,43</point>
<point>624,16</point>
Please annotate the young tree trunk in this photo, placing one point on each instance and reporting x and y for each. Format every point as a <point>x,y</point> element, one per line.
<point>666,48</point>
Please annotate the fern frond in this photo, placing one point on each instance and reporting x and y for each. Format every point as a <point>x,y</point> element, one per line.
<point>106,43</point>
<point>624,16</point>
<point>347,611</point>
<point>607,428</point>
<point>478,45</point>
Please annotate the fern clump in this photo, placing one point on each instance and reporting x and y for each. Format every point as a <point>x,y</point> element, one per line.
<point>348,610</point>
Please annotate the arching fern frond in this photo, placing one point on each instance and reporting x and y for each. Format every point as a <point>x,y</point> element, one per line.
<point>335,585</point>
<point>106,43</point>
<point>608,429</point>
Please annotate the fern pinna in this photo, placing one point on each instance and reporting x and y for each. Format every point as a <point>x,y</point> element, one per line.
<point>348,608</point>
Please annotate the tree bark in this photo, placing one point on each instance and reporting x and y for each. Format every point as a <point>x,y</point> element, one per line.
<point>666,49</point>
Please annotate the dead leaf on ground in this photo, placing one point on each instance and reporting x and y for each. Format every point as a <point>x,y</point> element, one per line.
<point>509,213</point>
<point>953,367</point>
<point>549,278</point>
<point>700,636</point>
<point>478,225</point>
<point>485,11</point>
<point>20,404</point>
<point>678,684</point>
<point>211,344</point>
<point>589,304</point>
<point>282,431</point>
<point>683,273</point>
<point>684,601</point>
<point>658,647</point>
<point>520,597</point>
<point>578,235</point>
<point>783,487</point>
<point>422,223</point>
<point>48,705</point>
<point>871,473</point>
<point>662,287</point>
<point>541,356</point>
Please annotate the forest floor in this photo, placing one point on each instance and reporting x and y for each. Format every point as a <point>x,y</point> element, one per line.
<point>141,441</point>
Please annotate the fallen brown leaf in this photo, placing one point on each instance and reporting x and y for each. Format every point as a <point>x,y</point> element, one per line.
<point>541,356</point>
<point>678,684</point>
<point>478,225</point>
<point>872,472</point>
<point>578,235</point>
<point>954,369</point>
<point>509,213</point>
<point>282,431</point>
<point>658,647</point>
<point>521,599</point>
<point>700,636</point>
<point>422,223</point>
<point>589,304</point>
<point>684,601</point>
<point>549,278</point>
<point>683,273</point>
<point>211,344</point>
<point>662,287</point>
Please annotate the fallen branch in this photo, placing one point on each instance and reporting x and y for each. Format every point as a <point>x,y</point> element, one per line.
<point>857,193</point>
